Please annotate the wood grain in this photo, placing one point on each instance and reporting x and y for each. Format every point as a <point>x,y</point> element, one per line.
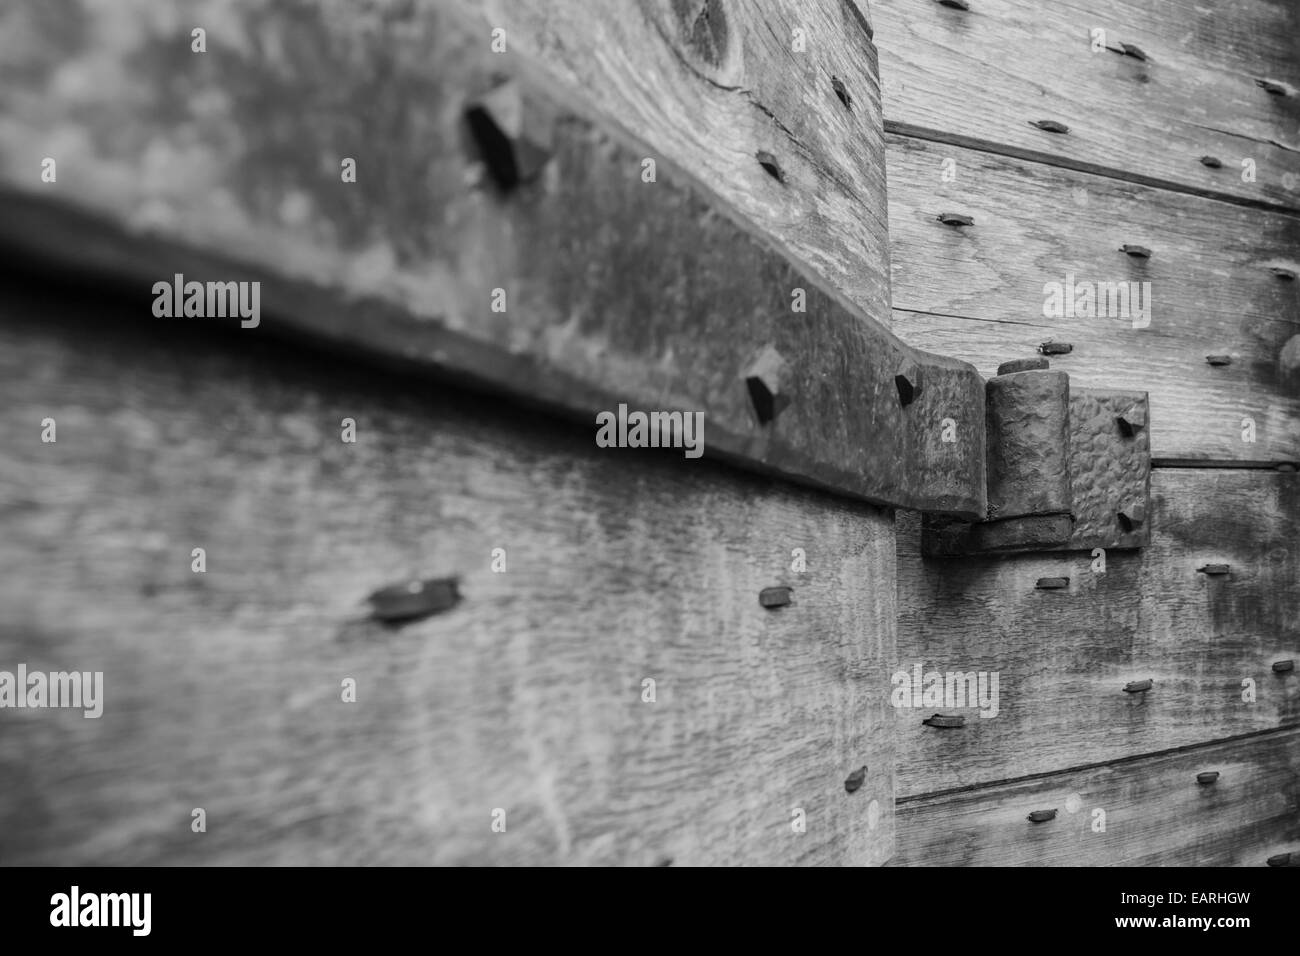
<point>583,288</point>
<point>709,84</point>
<point>1155,813</point>
<point>979,291</point>
<point>986,74</point>
<point>149,130</point>
<point>1065,656</point>
<point>223,689</point>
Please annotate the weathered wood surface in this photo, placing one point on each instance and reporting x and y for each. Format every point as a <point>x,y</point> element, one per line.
<point>1065,656</point>
<point>986,74</point>
<point>1155,813</point>
<point>709,84</point>
<point>978,291</point>
<point>581,289</point>
<point>223,689</point>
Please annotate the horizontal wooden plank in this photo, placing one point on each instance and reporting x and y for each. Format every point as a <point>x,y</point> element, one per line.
<point>583,288</point>
<point>1065,656</point>
<point>988,73</point>
<point>1153,810</point>
<point>983,291</point>
<point>222,689</point>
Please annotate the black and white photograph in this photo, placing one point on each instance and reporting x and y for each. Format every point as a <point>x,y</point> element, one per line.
<point>651,433</point>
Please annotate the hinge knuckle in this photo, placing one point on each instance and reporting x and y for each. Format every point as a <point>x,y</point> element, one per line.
<point>1066,469</point>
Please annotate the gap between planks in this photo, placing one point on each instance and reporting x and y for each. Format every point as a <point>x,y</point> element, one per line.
<point>1079,768</point>
<point>1247,464</point>
<point>1062,162</point>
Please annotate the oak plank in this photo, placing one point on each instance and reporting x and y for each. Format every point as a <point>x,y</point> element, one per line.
<point>979,291</point>
<point>1064,657</point>
<point>986,74</point>
<point>1155,813</point>
<point>223,689</point>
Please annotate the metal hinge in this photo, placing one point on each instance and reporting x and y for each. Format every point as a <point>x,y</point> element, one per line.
<point>1067,469</point>
<point>566,280</point>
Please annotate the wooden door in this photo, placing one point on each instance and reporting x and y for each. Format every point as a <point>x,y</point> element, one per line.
<point>363,589</point>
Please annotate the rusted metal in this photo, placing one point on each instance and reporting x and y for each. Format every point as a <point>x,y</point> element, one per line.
<point>770,165</point>
<point>943,536</point>
<point>526,194</point>
<point>855,780</point>
<point>775,596</point>
<point>585,258</point>
<point>1109,471</point>
<point>515,138</point>
<point>841,92</point>
<point>1050,126</point>
<point>1056,348</point>
<point>767,379</point>
<point>909,379</point>
<point>1132,515</point>
<point>500,183</point>
<point>945,721</point>
<point>413,600</point>
<point>1132,418</point>
<point>1028,435</point>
